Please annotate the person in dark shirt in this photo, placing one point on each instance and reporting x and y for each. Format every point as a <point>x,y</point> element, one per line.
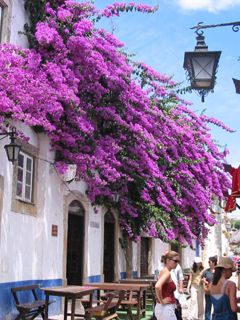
<point>207,280</point>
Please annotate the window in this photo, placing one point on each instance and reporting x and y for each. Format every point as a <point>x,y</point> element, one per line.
<point>25,177</point>
<point>5,20</point>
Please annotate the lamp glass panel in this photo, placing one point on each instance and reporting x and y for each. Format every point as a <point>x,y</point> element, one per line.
<point>10,151</point>
<point>203,67</point>
<point>16,151</point>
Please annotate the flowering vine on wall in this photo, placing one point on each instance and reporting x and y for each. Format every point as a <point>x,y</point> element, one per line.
<point>119,121</point>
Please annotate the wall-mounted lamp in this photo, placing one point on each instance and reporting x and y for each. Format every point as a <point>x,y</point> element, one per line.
<point>201,67</point>
<point>12,149</point>
<point>201,64</point>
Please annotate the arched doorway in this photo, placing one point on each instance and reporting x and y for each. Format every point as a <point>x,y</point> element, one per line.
<point>109,249</point>
<point>75,243</point>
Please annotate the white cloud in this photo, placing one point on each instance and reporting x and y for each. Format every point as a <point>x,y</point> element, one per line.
<point>210,5</point>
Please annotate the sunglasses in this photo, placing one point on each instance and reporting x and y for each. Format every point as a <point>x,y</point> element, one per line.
<point>176,261</point>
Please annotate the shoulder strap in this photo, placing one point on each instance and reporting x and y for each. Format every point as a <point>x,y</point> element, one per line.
<point>224,286</point>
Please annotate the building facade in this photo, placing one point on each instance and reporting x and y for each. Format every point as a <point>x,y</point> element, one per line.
<point>50,233</point>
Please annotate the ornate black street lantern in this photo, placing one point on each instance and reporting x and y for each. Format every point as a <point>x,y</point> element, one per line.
<point>201,66</point>
<point>12,149</point>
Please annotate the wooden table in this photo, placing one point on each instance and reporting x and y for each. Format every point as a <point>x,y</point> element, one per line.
<point>138,288</point>
<point>150,282</point>
<point>138,281</point>
<point>69,293</point>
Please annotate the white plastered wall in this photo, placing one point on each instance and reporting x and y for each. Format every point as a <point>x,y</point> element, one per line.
<point>158,248</point>
<point>18,19</point>
<point>28,250</point>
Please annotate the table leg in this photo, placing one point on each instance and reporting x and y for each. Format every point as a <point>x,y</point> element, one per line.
<point>65,308</point>
<point>141,307</point>
<point>46,306</point>
<point>73,309</point>
<point>129,313</point>
<point>90,300</point>
<point>138,305</point>
<point>144,302</point>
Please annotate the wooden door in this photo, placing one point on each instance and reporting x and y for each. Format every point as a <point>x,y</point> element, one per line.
<point>75,248</point>
<point>109,250</point>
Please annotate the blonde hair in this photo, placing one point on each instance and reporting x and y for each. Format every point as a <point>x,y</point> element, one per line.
<point>169,255</point>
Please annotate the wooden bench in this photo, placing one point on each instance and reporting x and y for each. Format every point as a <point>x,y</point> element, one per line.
<point>31,309</point>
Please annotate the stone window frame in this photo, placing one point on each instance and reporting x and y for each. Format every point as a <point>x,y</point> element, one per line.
<point>5,27</point>
<point>18,205</point>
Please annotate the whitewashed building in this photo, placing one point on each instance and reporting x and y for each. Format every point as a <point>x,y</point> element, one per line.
<point>50,233</point>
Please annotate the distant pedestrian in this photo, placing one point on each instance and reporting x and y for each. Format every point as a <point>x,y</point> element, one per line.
<point>195,287</point>
<point>165,287</point>
<point>207,280</point>
<point>223,291</point>
<point>177,277</point>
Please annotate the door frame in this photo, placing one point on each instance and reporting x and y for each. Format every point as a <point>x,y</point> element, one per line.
<point>116,244</point>
<point>76,195</point>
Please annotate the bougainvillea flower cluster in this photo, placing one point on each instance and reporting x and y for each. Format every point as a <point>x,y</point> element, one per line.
<point>119,121</point>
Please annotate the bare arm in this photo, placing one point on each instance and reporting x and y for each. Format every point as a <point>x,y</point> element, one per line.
<point>163,278</point>
<point>231,292</point>
<point>189,282</point>
<point>180,283</point>
<point>180,280</point>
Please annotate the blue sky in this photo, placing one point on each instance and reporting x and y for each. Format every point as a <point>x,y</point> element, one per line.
<point>160,40</point>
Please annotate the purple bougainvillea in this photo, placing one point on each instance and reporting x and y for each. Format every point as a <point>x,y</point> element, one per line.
<point>119,121</point>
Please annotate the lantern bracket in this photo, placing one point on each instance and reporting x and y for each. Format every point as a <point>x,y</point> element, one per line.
<point>235,26</point>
